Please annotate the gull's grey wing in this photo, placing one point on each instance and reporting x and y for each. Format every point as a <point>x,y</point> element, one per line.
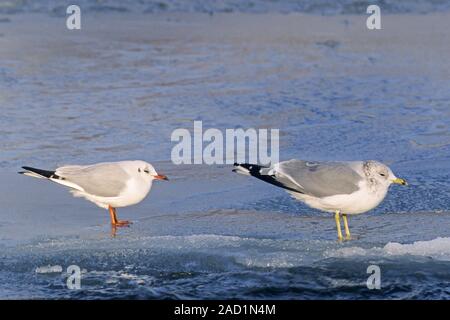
<point>103,179</point>
<point>315,178</point>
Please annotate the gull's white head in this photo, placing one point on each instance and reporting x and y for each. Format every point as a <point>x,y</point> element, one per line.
<point>147,171</point>
<point>381,173</point>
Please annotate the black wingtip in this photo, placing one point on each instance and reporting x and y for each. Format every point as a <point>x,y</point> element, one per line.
<point>43,173</point>
<point>253,169</point>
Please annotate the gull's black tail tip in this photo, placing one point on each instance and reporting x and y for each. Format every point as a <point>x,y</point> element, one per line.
<point>248,169</point>
<point>37,173</point>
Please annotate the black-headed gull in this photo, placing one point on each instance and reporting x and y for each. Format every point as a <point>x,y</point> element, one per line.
<point>340,187</point>
<point>109,185</point>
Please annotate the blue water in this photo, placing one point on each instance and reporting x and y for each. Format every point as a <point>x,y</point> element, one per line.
<point>325,7</point>
<point>118,92</point>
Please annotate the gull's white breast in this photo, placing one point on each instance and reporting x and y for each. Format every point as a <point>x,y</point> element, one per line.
<point>360,201</point>
<point>135,191</point>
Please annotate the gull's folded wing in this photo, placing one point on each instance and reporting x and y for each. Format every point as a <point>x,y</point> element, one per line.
<point>103,179</point>
<point>315,178</point>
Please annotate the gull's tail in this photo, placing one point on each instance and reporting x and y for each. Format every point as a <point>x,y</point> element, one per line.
<point>38,173</point>
<point>256,171</point>
<point>264,174</point>
<point>248,169</point>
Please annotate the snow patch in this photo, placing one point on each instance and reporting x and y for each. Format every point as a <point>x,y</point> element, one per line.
<point>438,249</point>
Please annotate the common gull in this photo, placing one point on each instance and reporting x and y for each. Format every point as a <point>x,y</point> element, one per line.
<point>344,188</point>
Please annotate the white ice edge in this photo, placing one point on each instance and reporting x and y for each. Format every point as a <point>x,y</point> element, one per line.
<point>438,249</point>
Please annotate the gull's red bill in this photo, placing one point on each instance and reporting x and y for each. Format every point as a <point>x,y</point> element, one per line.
<point>161,177</point>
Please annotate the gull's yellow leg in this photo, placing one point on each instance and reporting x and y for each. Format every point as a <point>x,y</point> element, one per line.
<point>347,230</point>
<point>338,225</point>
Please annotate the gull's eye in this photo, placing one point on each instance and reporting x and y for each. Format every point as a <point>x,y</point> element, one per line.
<point>146,171</point>
<point>382,174</point>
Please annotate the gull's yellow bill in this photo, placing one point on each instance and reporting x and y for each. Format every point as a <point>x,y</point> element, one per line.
<point>400,181</point>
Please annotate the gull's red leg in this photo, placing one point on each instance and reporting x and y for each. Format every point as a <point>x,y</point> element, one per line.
<point>112,214</point>
<point>116,222</point>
